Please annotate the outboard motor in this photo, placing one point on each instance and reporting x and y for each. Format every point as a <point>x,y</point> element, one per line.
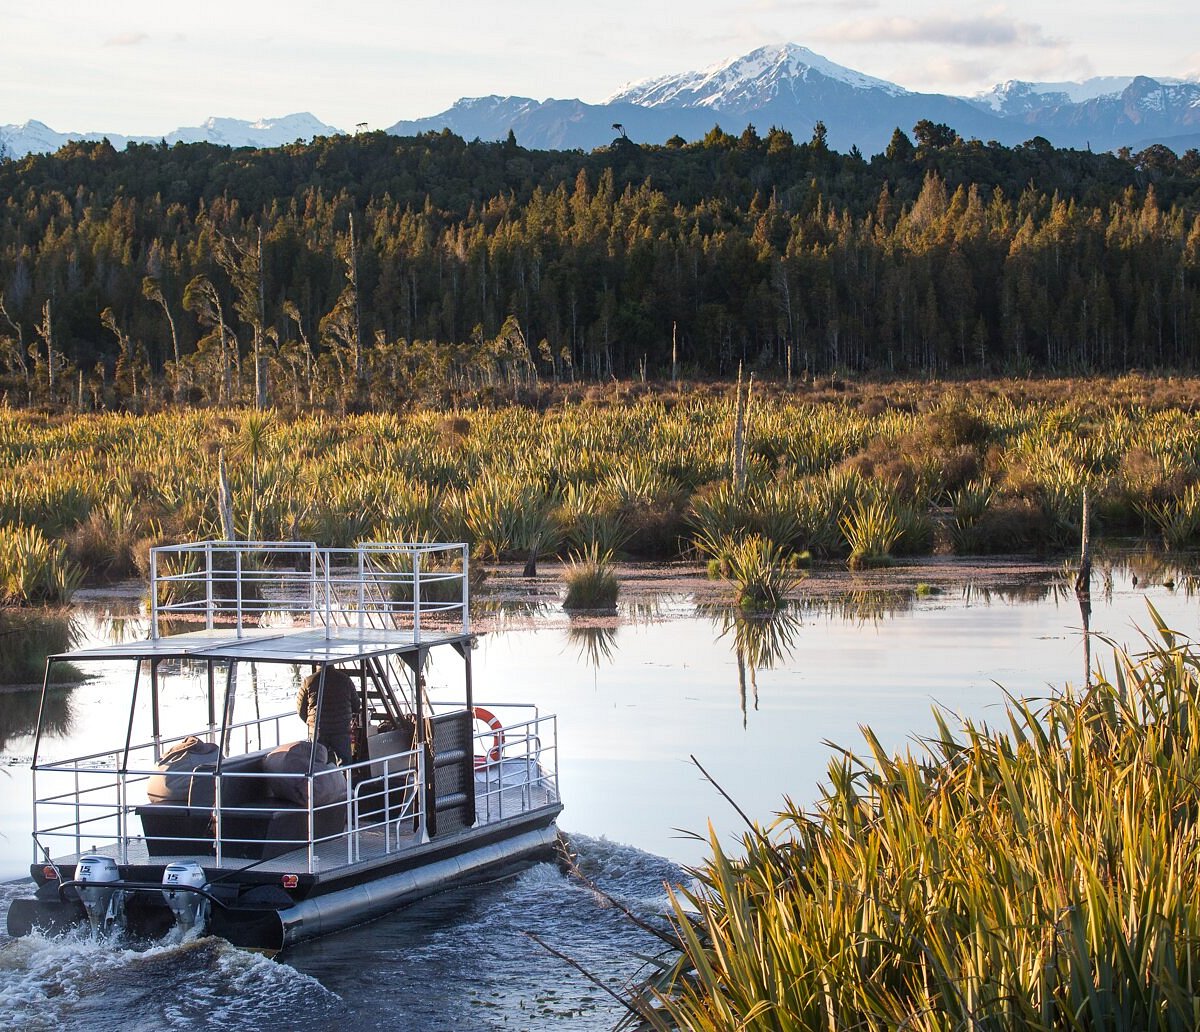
<point>102,901</point>
<point>189,908</point>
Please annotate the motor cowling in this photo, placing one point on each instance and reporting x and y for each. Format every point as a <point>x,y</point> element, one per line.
<point>97,877</point>
<point>189,908</point>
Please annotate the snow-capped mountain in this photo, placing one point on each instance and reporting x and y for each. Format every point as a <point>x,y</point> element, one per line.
<point>37,138</point>
<point>1104,113</point>
<point>744,83</point>
<point>784,85</point>
<point>787,86</point>
<point>265,132</point>
<point>1017,98</point>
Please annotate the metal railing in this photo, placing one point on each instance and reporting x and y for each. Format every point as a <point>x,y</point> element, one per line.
<point>250,584</point>
<point>92,802</point>
<point>516,767</point>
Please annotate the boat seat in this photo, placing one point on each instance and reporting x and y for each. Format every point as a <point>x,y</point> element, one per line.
<point>250,811</point>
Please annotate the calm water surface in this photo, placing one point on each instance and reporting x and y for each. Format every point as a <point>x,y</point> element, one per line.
<point>754,703</point>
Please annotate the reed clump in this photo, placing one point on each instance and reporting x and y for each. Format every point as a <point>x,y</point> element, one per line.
<point>761,572</point>
<point>591,582</point>
<point>1039,875</point>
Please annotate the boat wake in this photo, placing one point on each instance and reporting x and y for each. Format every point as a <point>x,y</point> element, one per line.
<point>461,960</point>
<point>78,981</point>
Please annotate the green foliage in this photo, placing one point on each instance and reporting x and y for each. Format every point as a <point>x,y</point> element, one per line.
<point>1178,520</point>
<point>638,475</point>
<point>872,529</point>
<point>34,571</point>
<point>1038,876</point>
<point>761,574</point>
<point>591,583</point>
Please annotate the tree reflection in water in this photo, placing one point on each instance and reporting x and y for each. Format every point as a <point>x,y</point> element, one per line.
<point>19,714</point>
<point>27,637</point>
<point>596,642</point>
<point>760,641</point>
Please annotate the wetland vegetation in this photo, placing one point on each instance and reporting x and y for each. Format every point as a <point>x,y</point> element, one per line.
<point>828,471</point>
<point>1036,874</point>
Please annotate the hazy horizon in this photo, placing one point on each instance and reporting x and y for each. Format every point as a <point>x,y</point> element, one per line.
<point>140,69</point>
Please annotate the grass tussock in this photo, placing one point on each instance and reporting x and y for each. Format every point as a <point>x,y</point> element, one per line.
<point>1040,875</point>
<point>591,582</point>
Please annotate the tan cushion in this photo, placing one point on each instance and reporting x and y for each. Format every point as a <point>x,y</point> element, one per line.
<point>292,758</point>
<point>173,782</point>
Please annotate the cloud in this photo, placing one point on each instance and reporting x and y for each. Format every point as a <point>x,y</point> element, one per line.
<point>984,31</point>
<point>126,39</point>
<point>965,76</point>
<point>792,6</point>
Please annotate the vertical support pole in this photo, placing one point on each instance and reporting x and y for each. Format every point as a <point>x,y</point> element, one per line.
<point>155,729</point>
<point>328,595</point>
<point>208,585</point>
<point>154,594</point>
<point>237,587</point>
<point>416,596</point>
<point>466,590</point>
<point>212,697</point>
<point>78,817</point>
<point>313,559</point>
<point>362,588</point>
<point>226,714</point>
<point>470,692</point>
<point>424,743</point>
<point>124,765</point>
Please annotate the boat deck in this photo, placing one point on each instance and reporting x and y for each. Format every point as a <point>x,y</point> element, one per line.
<point>502,796</point>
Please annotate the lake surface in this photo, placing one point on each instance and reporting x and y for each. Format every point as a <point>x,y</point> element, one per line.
<point>637,696</point>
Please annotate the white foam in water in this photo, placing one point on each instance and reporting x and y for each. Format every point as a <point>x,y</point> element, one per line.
<point>457,960</point>
<point>77,981</point>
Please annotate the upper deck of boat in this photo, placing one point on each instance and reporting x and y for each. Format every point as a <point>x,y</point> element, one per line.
<point>301,645</point>
<point>296,602</point>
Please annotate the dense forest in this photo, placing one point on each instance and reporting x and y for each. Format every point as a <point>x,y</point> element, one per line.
<point>373,271</point>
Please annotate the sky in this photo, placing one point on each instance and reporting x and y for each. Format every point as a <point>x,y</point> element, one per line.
<point>140,68</point>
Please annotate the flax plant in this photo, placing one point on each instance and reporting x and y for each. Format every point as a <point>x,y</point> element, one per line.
<point>1040,875</point>
<point>1178,520</point>
<point>591,582</point>
<point>33,570</point>
<point>761,574</point>
<point>872,528</point>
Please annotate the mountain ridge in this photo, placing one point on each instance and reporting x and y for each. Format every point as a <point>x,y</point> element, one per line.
<point>34,137</point>
<point>779,85</point>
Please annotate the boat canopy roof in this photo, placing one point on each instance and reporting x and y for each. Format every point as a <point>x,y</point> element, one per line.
<point>296,602</point>
<point>271,645</point>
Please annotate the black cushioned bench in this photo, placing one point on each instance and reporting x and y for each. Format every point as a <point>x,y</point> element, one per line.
<point>249,811</point>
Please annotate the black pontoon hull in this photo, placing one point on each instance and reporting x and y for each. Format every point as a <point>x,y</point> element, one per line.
<point>332,903</point>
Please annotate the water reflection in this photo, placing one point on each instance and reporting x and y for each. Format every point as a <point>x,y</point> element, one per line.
<point>864,605</point>
<point>27,637</point>
<point>596,643</point>
<point>19,714</point>
<point>761,641</point>
<point>1037,588</point>
<point>1154,569</point>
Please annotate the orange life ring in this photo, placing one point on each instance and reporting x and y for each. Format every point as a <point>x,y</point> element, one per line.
<point>493,722</point>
